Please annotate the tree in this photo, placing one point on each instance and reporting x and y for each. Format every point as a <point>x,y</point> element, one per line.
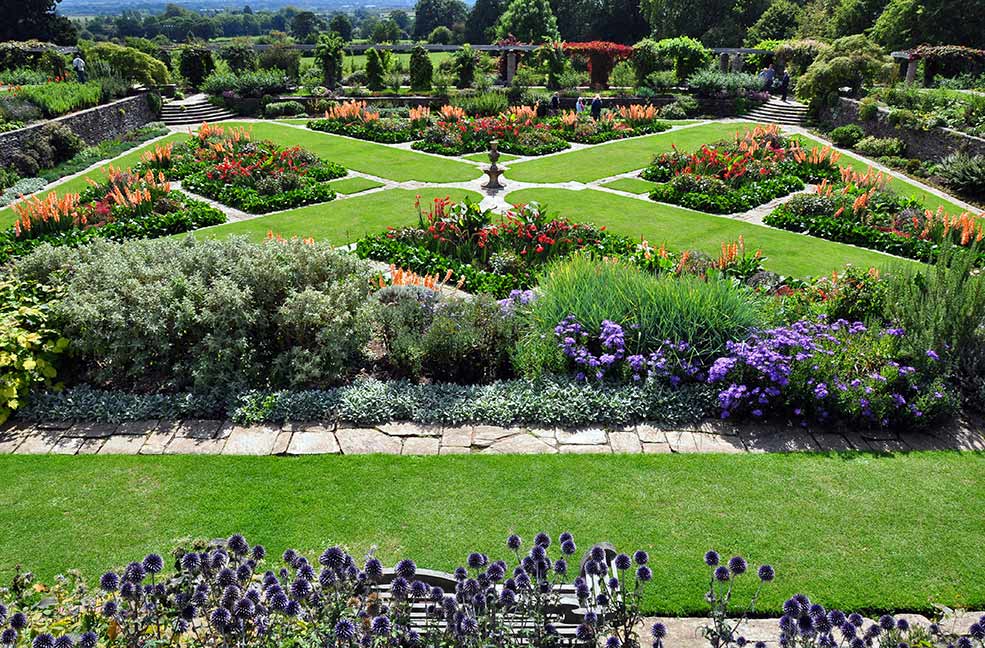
<point>480,27</point>
<point>529,21</point>
<point>440,35</point>
<point>576,18</point>
<point>195,63</point>
<point>305,25</point>
<point>130,63</point>
<point>400,17</point>
<point>239,55</point>
<point>330,54</point>
<point>429,14</point>
<point>778,22</point>
<point>421,69</point>
<point>621,21</point>
<point>855,16</point>
<point>465,61</point>
<point>386,31</point>
<point>851,61</point>
<point>341,25</point>
<point>377,65</point>
<point>27,19</point>
<point>687,54</point>
<point>904,24</point>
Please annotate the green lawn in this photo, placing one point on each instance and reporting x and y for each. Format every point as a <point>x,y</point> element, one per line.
<point>368,157</point>
<point>484,157</point>
<point>354,185</point>
<point>865,532</point>
<point>787,253</point>
<point>631,185</point>
<point>904,187</point>
<point>339,221</point>
<point>79,183</point>
<point>604,160</point>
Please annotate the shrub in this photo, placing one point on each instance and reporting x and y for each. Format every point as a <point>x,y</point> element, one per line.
<point>486,104</point>
<point>852,62</point>
<point>881,146</point>
<point>208,315</point>
<point>330,56</point>
<point>687,55</point>
<point>284,109</point>
<point>376,68</point>
<point>623,75</point>
<point>195,63</point>
<point>131,63</point>
<point>868,108</point>
<point>55,99</point>
<point>240,56</point>
<point>706,315</point>
<point>440,35</point>
<point>646,59</point>
<point>963,172</point>
<point>846,136</point>
<point>283,58</point>
<point>732,84</point>
<point>421,69</point>
<point>255,84</point>
<point>29,344</point>
<point>466,61</point>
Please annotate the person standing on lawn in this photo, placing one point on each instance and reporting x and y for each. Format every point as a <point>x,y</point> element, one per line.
<point>597,107</point>
<point>79,66</point>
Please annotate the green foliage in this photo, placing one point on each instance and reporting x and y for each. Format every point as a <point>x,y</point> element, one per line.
<point>486,104</point>
<point>213,316</point>
<point>706,314</point>
<point>856,16</point>
<point>421,69</point>
<point>529,21</point>
<point>777,23</point>
<point>29,343</point>
<point>105,150</point>
<point>687,55</point>
<point>465,63</point>
<point>646,59</point>
<point>797,55</point>
<point>905,24</point>
<point>195,63</point>
<point>846,136</point>
<point>963,172</point>
<point>431,14</point>
<point>55,99</point>
<point>480,27</point>
<point>553,58</point>
<point>925,108</point>
<point>341,25</point>
<point>852,61</point>
<point>731,84</point>
<point>881,146</point>
<point>245,84</point>
<point>240,56</point>
<point>284,109</point>
<point>623,75</point>
<point>440,35</point>
<point>330,55</point>
<point>466,341</point>
<point>283,58</point>
<point>709,194</point>
<point>377,65</point>
<point>868,108</point>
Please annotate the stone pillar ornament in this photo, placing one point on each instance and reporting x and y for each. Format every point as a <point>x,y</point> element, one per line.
<point>493,171</point>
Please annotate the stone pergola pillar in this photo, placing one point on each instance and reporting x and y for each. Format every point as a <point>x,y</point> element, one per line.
<point>510,66</point>
<point>723,61</point>
<point>911,71</point>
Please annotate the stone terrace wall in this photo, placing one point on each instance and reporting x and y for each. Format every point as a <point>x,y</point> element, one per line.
<point>93,124</point>
<point>928,145</point>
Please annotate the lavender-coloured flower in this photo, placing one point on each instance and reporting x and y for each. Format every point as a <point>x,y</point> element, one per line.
<point>737,565</point>
<point>658,630</point>
<point>345,630</point>
<point>64,641</point>
<point>406,568</point>
<point>766,573</point>
<point>623,562</point>
<point>333,557</point>
<point>109,582</point>
<point>237,544</point>
<point>8,637</point>
<point>43,640</point>
<point>153,563</point>
<point>644,574</point>
<point>88,639</point>
<point>722,573</point>
<point>711,558</point>
<point>613,642</point>
<point>514,542</point>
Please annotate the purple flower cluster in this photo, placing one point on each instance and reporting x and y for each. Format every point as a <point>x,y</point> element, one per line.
<point>820,369</point>
<point>599,356</point>
<point>724,621</point>
<point>516,298</point>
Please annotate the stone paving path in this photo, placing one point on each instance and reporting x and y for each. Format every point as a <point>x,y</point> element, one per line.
<point>223,437</point>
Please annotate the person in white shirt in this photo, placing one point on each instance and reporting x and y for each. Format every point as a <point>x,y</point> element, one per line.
<point>80,68</point>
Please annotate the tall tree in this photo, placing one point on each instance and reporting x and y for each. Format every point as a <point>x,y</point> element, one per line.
<point>341,25</point>
<point>400,17</point>
<point>429,14</point>
<point>576,19</point>
<point>305,25</point>
<point>480,27</point>
<point>25,19</point>
<point>777,23</point>
<point>530,21</point>
<point>908,23</point>
<point>621,21</point>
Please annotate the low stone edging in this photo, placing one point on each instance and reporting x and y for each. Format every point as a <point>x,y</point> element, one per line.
<point>201,436</point>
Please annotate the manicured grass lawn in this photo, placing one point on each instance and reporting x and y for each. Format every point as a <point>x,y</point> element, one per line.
<point>354,185</point>
<point>929,200</point>
<point>787,253</point>
<point>631,185</point>
<point>368,157</point>
<point>339,221</point>
<point>613,158</point>
<point>860,532</point>
<point>79,183</point>
<point>484,157</point>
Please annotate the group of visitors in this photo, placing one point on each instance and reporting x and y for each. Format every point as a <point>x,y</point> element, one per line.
<point>768,76</point>
<point>595,105</point>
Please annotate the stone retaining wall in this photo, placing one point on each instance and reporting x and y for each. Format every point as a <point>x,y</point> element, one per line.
<point>926,145</point>
<point>93,125</point>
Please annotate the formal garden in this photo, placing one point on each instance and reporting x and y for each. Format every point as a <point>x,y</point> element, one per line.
<point>398,311</point>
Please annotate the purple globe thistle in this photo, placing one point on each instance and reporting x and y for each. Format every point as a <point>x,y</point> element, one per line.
<point>88,639</point>
<point>289,556</point>
<point>399,587</point>
<point>381,626</point>
<point>244,608</point>
<point>791,607</point>
<point>134,573</point>
<point>3,612</point>
<point>805,624</point>
<point>737,565</point>
<point>602,600</point>
<point>305,571</point>
<point>561,566</point>
<point>514,542</point>
<point>641,557</point>
<point>495,572</point>
<point>292,609</point>
<point>259,552</point>
<point>542,540</point>
<point>237,544</point>
<point>759,644</point>
<point>345,630</point>
<point>153,563</point>
<point>436,594</point>
<point>613,642</point>
<point>766,573</point>
<point>374,569</point>
<point>963,642</point>
<point>477,560</point>
<point>582,591</point>
<point>886,622</point>
<point>190,562</point>
<point>857,642</point>
<point>109,582</point>
<point>658,630</point>
<point>406,568</point>
<point>279,601</point>
<point>333,557</point>
<point>8,636</point>
<point>180,627</point>
<point>43,640</point>
<point>644,573</point>
<point>461,573</point>
<point>507,598</point>
<point>722,573</point>
<point>109,610</point>
<point>711,558</point>
<point>469,626</point>
<point>568,547</point>
<point>836,617</point>
<point>584,632</point>
<point>64,641</point>
<point>623,562</point>
<point>243,573</point>
<point>856,619</point>
<point>537,552</point>
<point>419,589</point>
<point>976,630</point>
<point>902,625</point>
<point>564,537</point>
<point>220,618</point>
<point>597,553</point>
<point>848,629</point>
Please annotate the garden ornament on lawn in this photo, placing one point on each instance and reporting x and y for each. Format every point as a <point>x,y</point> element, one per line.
<point>493,171</point>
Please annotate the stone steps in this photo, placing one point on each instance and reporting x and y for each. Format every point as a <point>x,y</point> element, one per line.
<point>173,114</point>
<point>786,113</point>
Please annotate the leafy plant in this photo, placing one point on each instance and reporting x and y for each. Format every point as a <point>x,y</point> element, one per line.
<point>846,136</point>
<point>963,172</point>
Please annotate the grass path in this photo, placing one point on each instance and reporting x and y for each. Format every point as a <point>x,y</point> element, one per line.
<point>339,221</point>
<point>787,253</point>
<point>862,532</point>
<point>605,160</point>
<point>368,157</point>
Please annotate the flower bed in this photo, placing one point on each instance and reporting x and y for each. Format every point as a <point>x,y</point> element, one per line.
<point>487,253</point>
<point>354,119</point>
<point>861,211</point>
<point>627,121</point>
<point>755,168</point>
<point>125,206</point>
<point>518,131</point>
<point>227,165</point>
